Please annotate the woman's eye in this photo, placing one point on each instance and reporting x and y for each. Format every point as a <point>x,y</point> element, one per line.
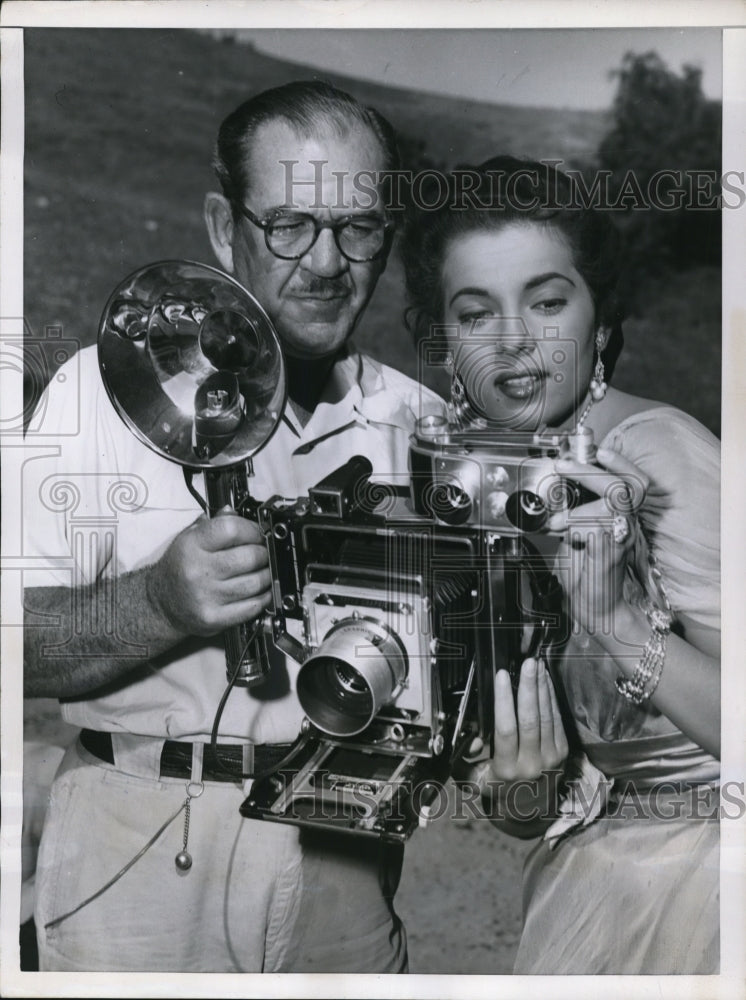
<point>474,316</point>
<point>550,306</point>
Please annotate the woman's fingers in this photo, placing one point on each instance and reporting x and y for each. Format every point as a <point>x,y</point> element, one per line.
<point>607,461</point>
<point>506,728</point>
<point>541,737</point>
<point>622,466</point>
<point>529,735</point>
<point>546,715</point>
<point>560,737</point>
<point>553,738</point>
<point>610,541</point>
<point>615,479</point>
<point>529,720</point>
<point>539,722</point>
<point>587,516</point>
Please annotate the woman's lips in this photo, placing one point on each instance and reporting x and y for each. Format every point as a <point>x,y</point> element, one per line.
<point>519,385</point>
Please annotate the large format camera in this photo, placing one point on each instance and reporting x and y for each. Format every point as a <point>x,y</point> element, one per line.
<point>399,606</point>
<point>407,605</point>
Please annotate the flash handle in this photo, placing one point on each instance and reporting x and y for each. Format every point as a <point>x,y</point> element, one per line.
<point>246,660</point>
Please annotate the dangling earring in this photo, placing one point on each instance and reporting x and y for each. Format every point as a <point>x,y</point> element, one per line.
<point>598,385</point>
<point>458,393</point>
<point>459,406</point>
<point>457,401</point>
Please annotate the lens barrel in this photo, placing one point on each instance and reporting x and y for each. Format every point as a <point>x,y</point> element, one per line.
<point>355,671</point>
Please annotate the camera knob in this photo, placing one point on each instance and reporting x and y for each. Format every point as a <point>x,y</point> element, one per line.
<point>432,426</point>
<point>580,446</point>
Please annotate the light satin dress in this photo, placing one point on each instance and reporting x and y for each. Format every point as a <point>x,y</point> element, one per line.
<point>635,890</point>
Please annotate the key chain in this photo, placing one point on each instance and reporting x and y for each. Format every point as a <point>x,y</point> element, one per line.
<point>183,859</point>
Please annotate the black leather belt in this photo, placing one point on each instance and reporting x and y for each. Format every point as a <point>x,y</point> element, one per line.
<point>225,762</point>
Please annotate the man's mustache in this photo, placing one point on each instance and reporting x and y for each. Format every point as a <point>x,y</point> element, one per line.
<point>324,287</point>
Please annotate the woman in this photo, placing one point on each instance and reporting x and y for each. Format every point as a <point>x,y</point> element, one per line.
<point>525,287</point>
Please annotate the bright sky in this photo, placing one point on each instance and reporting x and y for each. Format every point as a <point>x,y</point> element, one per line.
<point>558,68</point>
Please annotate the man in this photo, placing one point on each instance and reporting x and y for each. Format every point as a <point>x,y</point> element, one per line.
<point>294,226</point>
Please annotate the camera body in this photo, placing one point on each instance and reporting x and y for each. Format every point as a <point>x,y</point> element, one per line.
<point>392,606</point>
<point>475,474</point>
<point>399,608</point>
<point>407,605</point>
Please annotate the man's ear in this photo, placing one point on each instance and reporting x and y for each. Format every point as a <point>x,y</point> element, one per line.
<point>219,222</point>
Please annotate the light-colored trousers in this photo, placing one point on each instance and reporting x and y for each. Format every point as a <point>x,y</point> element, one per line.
<point>259,897</point>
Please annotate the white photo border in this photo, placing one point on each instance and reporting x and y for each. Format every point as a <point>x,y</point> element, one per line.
<point>362,14</point>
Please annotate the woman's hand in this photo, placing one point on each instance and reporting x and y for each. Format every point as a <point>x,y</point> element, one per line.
<point>599,537</point>
<point>527,742</point>
<point>592,563</point>
<point>518,785</point>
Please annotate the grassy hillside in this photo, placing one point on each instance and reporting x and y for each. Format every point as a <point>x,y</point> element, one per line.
<point>119,129</point>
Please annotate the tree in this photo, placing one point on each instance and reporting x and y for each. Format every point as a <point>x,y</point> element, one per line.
<point>665,133</point>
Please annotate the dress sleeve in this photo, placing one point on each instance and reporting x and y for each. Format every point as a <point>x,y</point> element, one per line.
<point>681,513</point>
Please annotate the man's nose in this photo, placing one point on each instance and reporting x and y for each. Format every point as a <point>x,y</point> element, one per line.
<point>324,258</point>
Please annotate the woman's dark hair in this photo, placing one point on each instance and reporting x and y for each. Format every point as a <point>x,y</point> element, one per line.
<point>309,106</point>
<point>502,191</point>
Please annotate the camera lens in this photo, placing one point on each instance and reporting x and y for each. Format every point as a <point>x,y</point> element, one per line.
<point>526,511</point>
<point>335,697</point>
<point>346,691</point>
<point>342,699</point>
<point>348,679</point>
<point>450,504</point>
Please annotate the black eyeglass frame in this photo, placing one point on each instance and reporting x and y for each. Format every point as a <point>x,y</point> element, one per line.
<point>334,224</point>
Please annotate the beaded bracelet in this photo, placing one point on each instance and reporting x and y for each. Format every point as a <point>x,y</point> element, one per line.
<point>641,686</point>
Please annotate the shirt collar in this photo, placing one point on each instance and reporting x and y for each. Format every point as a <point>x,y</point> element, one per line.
<point>355,392</point>
<point>342,392</point>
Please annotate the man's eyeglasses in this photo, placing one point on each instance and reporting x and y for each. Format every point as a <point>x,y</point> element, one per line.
<point>289,235</point>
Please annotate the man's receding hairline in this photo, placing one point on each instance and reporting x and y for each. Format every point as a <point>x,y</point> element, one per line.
<point>333,130</point>
<point>327,128</point>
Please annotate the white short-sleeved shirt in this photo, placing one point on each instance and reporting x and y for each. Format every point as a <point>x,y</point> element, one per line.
<point>106,504</point>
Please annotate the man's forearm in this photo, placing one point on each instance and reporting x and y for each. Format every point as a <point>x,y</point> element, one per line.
<point>78,640</point>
